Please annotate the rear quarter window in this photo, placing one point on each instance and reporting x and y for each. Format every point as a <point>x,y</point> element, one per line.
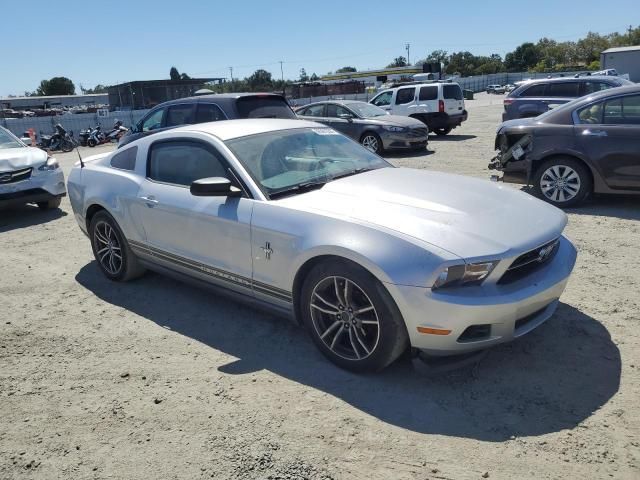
<point>452,92</point>
<point>563,89</point>
<point>428,93</point>
<point>264,107</point>
<point>126,159</point>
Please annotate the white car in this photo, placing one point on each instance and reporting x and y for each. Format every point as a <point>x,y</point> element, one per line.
<point>439,105</point>
<point>28,174</point>
<point>291,215</point>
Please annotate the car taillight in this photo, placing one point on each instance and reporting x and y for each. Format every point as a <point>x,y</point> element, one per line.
<point>441,106</point>
<point>508,101</point>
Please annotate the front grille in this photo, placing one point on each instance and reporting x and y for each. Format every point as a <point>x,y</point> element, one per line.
<point>418,132</point>
<point>15,176</point>
<point>530,261</point>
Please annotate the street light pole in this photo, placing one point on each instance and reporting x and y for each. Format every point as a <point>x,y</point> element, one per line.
<point>282,76</point>
<point>407,46</point>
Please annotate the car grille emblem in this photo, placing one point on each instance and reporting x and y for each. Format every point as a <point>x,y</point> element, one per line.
<point>544,252</point>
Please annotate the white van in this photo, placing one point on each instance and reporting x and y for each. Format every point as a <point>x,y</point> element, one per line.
<point>440,105</point>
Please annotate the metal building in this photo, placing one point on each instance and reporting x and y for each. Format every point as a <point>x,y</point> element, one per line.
<point>149,93</point>
<point>624,60</point>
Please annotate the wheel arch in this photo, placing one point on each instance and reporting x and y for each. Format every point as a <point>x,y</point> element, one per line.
<point>91,212</point>
<point>539,163</point>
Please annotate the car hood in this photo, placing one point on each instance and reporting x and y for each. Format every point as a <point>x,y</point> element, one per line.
<point>16,158</point>
<point>396,120</point>
<point>468,217</point>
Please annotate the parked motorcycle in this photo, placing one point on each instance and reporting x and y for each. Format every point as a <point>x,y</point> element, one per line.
<point>59,140</point>
<point>84,136</point>
<point>116,132</point>
<point>96,137</point>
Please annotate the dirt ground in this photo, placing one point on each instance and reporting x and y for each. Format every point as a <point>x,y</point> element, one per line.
<point>154,379</point>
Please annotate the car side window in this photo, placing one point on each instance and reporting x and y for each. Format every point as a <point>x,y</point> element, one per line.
<point>313,111</point>
<point>209,112</point>
<point>405,95</point>
<point>562,89</point>
<point>181,162</point>
<point>591,114</point>
<point>383,99</point>
<point>154,121</point>
<point>452,92</point>
<point>179,115</point>
<point>428,93</point>
<point>334,111</point>
<point>534,91</point>
<point>592,87</point>
<point>622,111</point>
<point>126,159</point>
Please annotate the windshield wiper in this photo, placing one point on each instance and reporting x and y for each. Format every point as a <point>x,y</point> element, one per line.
<point>295,189</point>
<point>352,172</point>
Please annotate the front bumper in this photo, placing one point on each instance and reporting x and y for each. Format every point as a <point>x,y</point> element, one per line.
<point>40,187</point>
<point>403,140</point>
<point>510,310</point>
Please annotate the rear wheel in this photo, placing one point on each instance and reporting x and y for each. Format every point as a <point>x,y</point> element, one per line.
<point>91,142</point>
<point>50,204</point>
<point>111,249</point>
<point>66,146</point>
<point>563,182</point>
<point>351,317</point>
<point>442,131</point>
<point>371,142</point>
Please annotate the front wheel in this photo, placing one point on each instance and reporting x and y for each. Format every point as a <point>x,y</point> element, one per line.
<point>91,142</point>
<point>372,142</point>
<point>563,182</point>
<point>111,250</point>
<point>351,317</point>
<point>66,146</point>
<point>442,131</point>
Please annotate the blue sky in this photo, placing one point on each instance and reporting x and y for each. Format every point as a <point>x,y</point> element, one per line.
<point>137,40</point>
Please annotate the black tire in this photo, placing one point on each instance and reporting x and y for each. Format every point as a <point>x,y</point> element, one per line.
<point>359,342</point>
<point>66,146</point>
<point>442,131</point>
<point>50,204</point>
<point>573,190</point>
<point>371,141</point>
<point>128,267</point>
<point>91,142</point>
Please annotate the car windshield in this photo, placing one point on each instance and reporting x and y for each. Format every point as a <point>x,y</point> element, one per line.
<point>7,140</point>
<point>287,162</point>
<point>366,110</point>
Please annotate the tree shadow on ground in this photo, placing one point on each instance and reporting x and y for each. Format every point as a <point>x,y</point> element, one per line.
<point>552,379</point>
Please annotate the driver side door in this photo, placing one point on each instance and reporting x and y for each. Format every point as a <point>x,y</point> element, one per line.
<point>205,237</point>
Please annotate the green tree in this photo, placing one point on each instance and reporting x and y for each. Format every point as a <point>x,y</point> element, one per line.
<point>260,80</point>
<point>174,74</point>
<point>346,70</point>
<point>303,75</point>
<point>437,56</point>
<point>56,86</point>
<point>523,58</point>
<point>314,77</point>
<point>590,47</point>
<point>398,62</point>
<point>97,89</point>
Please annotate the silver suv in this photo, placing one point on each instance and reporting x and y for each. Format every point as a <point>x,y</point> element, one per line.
<point>439,105</point>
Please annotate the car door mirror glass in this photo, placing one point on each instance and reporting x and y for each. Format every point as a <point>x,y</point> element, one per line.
<point>214,187</point>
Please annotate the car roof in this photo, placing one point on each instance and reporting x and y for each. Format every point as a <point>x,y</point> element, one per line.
<point>230,129</point>
<point>574,79</point>
<point>609,93</point>
<point>224,98</point>
<point>339,102</point>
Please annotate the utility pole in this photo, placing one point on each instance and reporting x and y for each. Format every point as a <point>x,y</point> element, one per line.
<point>282,76</point>
<point>630,30</point>
<point>231,73</point>
<point>407,47</point>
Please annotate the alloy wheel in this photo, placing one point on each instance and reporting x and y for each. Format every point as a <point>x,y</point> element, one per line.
<point>370,143</point>
<point>345,318</point>
<point>108,248</point>
<point>560,183</point>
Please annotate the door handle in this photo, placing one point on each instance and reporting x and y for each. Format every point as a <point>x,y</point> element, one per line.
<point>594,133</point>
<point>150,201</point>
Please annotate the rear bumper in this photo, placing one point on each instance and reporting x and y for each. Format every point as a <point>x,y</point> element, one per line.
<point>444,120</point>
<point>507,311</point>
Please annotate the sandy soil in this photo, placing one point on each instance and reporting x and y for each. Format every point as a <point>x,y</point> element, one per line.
<point>154,379</point>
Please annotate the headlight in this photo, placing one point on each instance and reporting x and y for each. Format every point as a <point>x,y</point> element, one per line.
<point>466,274</point>
<point>51,164</point>
<point>391,128</point>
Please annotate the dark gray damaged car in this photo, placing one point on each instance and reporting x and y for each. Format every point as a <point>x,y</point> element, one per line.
<point>589,145</point>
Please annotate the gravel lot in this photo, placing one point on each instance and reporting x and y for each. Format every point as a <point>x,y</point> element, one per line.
<point>154,379</point>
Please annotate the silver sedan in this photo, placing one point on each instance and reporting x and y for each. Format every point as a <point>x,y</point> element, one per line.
<point>295,217</point>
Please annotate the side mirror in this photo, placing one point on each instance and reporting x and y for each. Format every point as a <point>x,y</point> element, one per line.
<point>346,116</point>
<point>214,187</point>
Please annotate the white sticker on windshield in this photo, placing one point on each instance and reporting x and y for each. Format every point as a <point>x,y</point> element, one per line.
<point>325,131</point>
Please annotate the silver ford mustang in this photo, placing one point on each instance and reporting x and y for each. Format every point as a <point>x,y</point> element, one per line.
<point>294,216</point>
